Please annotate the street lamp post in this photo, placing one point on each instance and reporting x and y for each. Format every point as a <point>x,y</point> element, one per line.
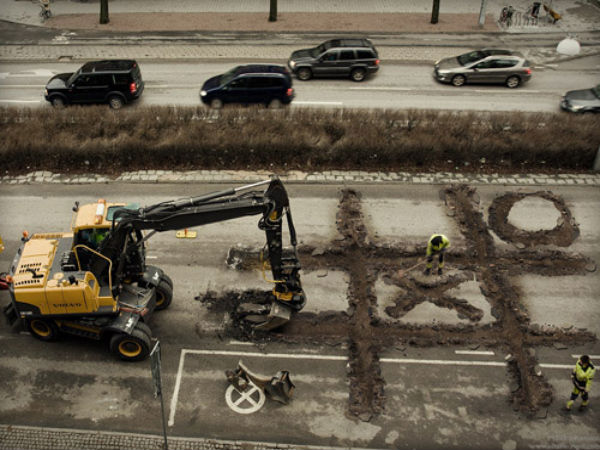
<point>435,12</point>
<point>104,11</point>
<point>482,13</point>
<point>273,11</point>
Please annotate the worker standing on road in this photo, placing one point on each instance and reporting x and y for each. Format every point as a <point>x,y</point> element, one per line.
<point>437,245</point>
<point>582,380</point>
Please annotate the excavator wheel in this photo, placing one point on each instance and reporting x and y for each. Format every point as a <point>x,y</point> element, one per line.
<point>145,328</point>
<point>131,347</point>
<point>167,278</point>
<point>164,294</point>
<point>44,330</point>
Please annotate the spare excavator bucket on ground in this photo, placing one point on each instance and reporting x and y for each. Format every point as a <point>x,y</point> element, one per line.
<point>279,388</point>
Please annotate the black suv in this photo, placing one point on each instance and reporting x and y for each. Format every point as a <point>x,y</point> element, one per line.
<point>115,82</point>
<point>268,84</point>
<point>353,57</point>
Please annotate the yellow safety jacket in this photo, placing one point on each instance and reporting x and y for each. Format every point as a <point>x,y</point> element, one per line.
<point>431,249</point>
<point>583,376</point>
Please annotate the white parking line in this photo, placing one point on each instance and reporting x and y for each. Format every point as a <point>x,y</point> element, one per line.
<point>443,362</point>
<point>474,352</point>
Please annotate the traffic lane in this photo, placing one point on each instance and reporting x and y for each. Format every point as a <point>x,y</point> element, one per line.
<point>394,86</point>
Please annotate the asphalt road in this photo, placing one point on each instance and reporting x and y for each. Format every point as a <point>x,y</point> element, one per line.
<point>440,396</point>
<point>396,86</point>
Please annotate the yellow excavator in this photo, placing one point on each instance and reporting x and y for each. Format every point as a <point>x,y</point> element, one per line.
<point>94,281</point>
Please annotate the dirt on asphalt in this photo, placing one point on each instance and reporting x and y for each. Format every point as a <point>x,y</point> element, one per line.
<point>365,260</point>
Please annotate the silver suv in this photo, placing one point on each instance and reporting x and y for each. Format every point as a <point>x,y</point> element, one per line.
<point>348,57</point>
<point>484,66</point>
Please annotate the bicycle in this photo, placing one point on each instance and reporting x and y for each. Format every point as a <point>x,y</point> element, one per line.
<point>45,12</point>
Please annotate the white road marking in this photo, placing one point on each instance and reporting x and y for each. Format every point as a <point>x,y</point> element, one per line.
<point>474,352</point>
<point>151,257</point>
<point>295,102</point>
<point>267,355</point>
<point>239,343</point>
<point>176,388</point>
<point>382,88</point>
<point>442,362</point>
<point>19,101</point>
<point>21,86</point>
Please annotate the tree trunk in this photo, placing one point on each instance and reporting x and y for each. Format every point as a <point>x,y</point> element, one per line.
<point>104,11</point>
<point>435,12</point>
<point>273,11</point>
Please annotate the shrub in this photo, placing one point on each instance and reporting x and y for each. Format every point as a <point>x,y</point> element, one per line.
<point>183,138</point>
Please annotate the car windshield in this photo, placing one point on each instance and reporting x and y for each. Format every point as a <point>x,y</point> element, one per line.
<point>319,50</point>
<point>228,76</point>
<point>596,91</point>
<point>470,57</point>
<point>73,77</point>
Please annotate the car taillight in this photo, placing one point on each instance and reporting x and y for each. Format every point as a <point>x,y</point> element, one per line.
<point>528,71</point>
<point>290,92</point>
<point>132,88</point>
<point>376,62</point>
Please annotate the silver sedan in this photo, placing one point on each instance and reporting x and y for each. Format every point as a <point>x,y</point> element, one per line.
<point>484,66</point>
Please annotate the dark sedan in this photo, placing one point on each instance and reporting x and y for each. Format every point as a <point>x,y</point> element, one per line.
<point>484,66</point>
<point>582,101</point>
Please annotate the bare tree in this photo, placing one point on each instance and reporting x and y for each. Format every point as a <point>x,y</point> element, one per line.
<point>104,11</point>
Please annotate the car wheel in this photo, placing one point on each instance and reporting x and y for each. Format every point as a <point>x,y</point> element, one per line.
<point>44,330</point>
<point>57,102</point>
<point>304,74</point>
<point>275,104</point>
<point>216,103</point>
<point>358,74</point>
<point>513,82</point>
<point>458,80</point>
<point>115,102</point>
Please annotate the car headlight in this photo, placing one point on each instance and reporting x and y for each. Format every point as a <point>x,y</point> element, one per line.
<point>292,64</point>
<point>202,93</point>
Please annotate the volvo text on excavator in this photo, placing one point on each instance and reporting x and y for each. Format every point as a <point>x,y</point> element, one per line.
<point>94,281</point>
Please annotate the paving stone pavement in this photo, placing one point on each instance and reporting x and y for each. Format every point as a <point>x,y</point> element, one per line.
<point>38,438</point>
<point>325,177</point>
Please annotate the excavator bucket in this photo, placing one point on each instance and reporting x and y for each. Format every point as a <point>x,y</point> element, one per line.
<point>280,388</point>
<point>278,315</point>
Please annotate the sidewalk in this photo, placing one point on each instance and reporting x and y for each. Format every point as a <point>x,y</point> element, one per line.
<point>188,30</point>
<point>394,16</point>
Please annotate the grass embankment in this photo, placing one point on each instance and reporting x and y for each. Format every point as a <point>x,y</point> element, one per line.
<point>97,139</point>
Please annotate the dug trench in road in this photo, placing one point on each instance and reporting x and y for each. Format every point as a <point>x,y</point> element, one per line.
<point>364,259</point>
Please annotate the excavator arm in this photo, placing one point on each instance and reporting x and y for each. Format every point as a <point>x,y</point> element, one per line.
<point>124,244</point>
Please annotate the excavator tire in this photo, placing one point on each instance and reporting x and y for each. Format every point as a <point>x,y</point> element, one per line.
<point>131,347</point>
<point>164,295</point>
<point>167,278</point>
<point>145,328</point>
<point>42,329</point>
